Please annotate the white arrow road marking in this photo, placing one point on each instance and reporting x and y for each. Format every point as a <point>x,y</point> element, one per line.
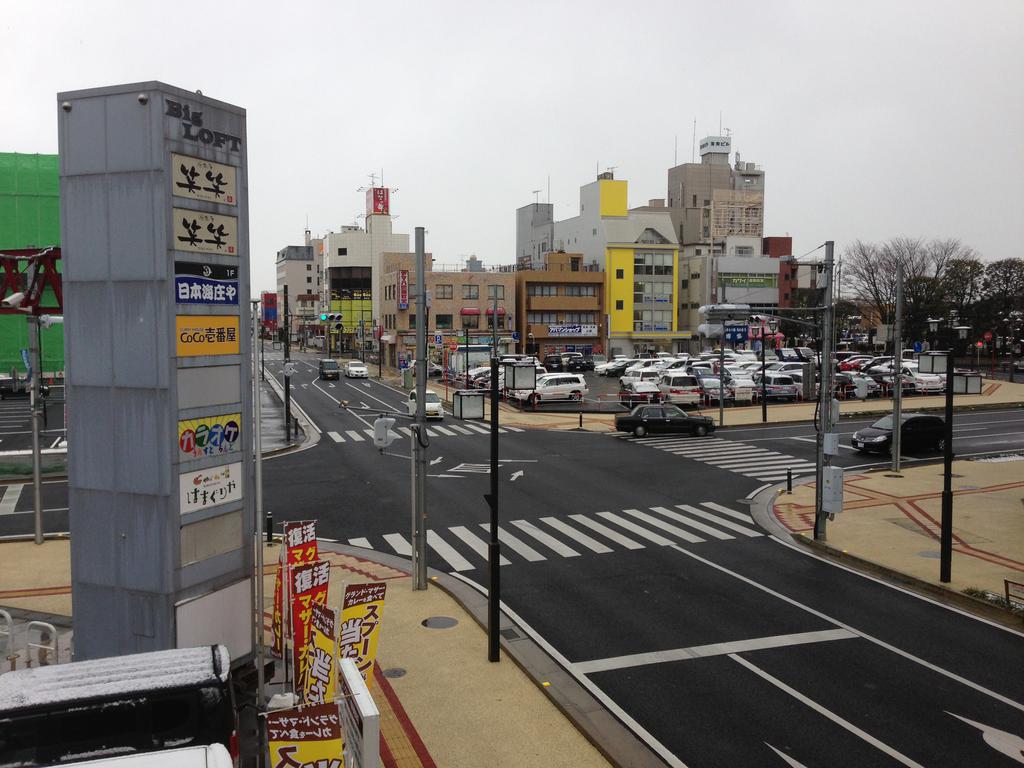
<point>443,475</point>
<point>436,461</point>
<point>363,405</point>
<point>516,476</point>
<point>786,758</point>
<point>1009,744</point>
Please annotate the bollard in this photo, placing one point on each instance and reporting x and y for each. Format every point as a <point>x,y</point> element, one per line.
<point>581,419</point>
<point>789,480</point>
<point>13,659</point>
<point>270,528</point>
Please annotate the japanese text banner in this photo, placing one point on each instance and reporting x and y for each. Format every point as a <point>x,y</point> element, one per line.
<point>361,614</point>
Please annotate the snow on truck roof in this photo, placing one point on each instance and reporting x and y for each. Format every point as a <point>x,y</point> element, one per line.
<point>117,675</point>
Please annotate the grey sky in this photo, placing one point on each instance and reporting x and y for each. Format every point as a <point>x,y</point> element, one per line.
<point>871,119</point>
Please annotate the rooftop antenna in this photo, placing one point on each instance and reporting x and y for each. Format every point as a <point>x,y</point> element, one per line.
<point>373,179</point>
<point>693,151</point>
<point>611,169</point>
<point>675,151</point>
<point>536,199</point>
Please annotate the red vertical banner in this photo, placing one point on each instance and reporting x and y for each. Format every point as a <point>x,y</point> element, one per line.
<point>299,547</point>
<point>309,583</point>
<point>403,289</point>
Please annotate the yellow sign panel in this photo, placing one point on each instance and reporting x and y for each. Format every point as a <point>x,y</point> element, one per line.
<point>198,232</point>
<point>361,613</point>
<point>305,736</point>
<point>206,335</point>
<point>196,179</point>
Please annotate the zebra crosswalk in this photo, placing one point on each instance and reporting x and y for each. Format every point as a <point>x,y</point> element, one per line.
<point>743,459</point>
<point>434,430</point>
<point>574,535</point>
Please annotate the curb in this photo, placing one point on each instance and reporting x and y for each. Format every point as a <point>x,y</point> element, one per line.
<point>604,731</point>
<point>761,509</point>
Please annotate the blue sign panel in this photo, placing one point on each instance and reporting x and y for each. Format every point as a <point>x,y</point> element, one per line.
<point>205,284</point>
<point>735,333</point>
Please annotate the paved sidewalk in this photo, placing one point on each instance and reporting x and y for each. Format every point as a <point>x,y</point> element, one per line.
<point>890,524</point>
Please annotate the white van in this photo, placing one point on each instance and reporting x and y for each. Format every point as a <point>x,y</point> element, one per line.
<point>679,387</point>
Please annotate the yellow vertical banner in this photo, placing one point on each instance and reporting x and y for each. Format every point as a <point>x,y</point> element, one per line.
<point>361,614</point>
<point>318,685</point>
<point>305,736</point>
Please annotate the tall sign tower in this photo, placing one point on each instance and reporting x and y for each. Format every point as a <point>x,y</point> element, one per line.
<point>154,221</point>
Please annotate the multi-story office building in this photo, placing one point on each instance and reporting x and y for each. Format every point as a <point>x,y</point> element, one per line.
<point>560,306</point>
<point>462,306</point>
<point>299,271</point>
<point>638,252</point>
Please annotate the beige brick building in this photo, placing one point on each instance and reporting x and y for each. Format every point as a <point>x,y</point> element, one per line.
<point>462,303</point>
<point>561,308</point>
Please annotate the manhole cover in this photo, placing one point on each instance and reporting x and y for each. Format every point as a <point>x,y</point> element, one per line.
<point>439,622</point>
<point>394,672</point>
<point>892,474</point>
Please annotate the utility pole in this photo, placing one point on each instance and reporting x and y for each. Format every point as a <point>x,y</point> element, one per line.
<point>287,375</point>
<point>494,545</point>
<point>946,521</point>
<point>419,431</point>
<point>258,538</point>
<point>36,411</point>
<point>897,373</point>
<point>826,423</point>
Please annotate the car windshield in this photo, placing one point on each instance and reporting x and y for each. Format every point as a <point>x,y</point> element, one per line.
<point>883,423</point>
<point>329,365</point>
<point>431,397</point>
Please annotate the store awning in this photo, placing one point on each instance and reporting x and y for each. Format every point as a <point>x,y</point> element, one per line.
<point>469,311</point>
<point>490,310</point>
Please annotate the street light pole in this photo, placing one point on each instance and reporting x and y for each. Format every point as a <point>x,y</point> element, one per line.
<point>419,431</point>
<point>287,376</point>
<point>897,374</point>
<point>946,533</point>
<point>494,545</point>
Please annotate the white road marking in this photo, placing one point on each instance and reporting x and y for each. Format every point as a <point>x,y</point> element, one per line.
<point>668,527</point>
<point>524,550</point>
<point>476,428</point>
<point>515,429</point>
<point>475,543</point>
<point>360,542</point>
<point>549,541</point>
<point>399,544</point>
<point>444,431</point>
<point>743,518</point>
<point>336,437</point>
<point>463,430</point>
<point>10,500</point>
<point>355,435</point>
<point>629,525</point>
<point>719,521</point>
<point>881,746</point>
<point>588,542</point>
<point>607,532</point>
<point>713,649</point>
<point>707,529</point>
<point>447,552</point>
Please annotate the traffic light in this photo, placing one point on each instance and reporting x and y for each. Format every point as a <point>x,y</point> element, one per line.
<point>383,436</point>
<point>323,317</point>
<point>333,318</point>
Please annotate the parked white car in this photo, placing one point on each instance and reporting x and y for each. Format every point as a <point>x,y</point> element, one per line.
<point>554,386</point>
<point>679,387</point>
<point>432,405</point>
<point>356,370</point>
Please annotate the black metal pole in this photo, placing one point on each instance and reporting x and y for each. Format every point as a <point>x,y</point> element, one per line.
<point>287,378</point>
<point>764,383</point>
<point>493,546</point>
<point>946,536</point>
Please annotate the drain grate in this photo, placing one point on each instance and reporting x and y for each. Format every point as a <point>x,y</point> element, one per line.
<point>439,622</point>
<point>393,672</point>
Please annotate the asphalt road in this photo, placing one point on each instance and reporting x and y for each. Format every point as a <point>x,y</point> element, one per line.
<point>636,563</point>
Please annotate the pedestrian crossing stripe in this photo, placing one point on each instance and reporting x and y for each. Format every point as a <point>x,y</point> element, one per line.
<point>743,459</point>
<point>432,431</point>
<point>553,536</point>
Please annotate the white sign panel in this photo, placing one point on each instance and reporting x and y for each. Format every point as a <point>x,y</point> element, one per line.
<point>207,488</point>
<point>573,329</point>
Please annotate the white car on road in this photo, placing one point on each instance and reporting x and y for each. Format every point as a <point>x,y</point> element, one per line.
<point>432,405</point>
<point>356,370</point>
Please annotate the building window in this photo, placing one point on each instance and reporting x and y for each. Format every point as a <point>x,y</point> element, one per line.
<point>619,274</point>
<point>444,291</point>
<point>309,267</point>
<point>540,290</point>
<point>618,304</point>
<point>580,290</point>
<point>412,321</point>
<point>471,292</point>
<point>684,284</point>
<point>579,317</point>
<point>744,250</point>
<point>444,321</point>
<point>647,263</point>
<point>309,280</point>
<point>574,265</point>
<point>501,322</point>
<point>343,251</point>
<point>538,318</point>
<point>652,320</point>
<point>495,291</point>
<point>695,275</point>
<point>470,321</point>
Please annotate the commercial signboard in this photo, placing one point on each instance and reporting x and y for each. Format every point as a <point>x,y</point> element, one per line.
<point>206,335</point>
<point>199,232</point>
<point>361,612</point>
<point>196,283</point>
<point>378,200</point>
<point>573,329</point>
<point>207,488</point>
<point>321,656</point>
<point>737,280</point>
<point>300,546</point>
<point>305,736</point>
<point>268,304</point>
<point>209,436</point>
<point>403,289</point>
<point>309,583</point>
<point>197,179</point>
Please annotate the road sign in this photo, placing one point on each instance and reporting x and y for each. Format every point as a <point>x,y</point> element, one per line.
<point>453,346</point>
<point>515,335</point>
<point>438,340</point>
<point>988,335</point>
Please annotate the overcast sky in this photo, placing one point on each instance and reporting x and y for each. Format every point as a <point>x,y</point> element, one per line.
<point>871,119</point>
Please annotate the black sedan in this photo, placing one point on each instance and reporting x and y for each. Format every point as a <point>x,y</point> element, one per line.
<point>652,419</point>
<point>918,432</point>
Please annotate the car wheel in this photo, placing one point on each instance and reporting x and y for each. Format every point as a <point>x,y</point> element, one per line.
<point>576,396</point>
<point>533,399</point>
<point>700,431</point>
<point>639,431</point>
